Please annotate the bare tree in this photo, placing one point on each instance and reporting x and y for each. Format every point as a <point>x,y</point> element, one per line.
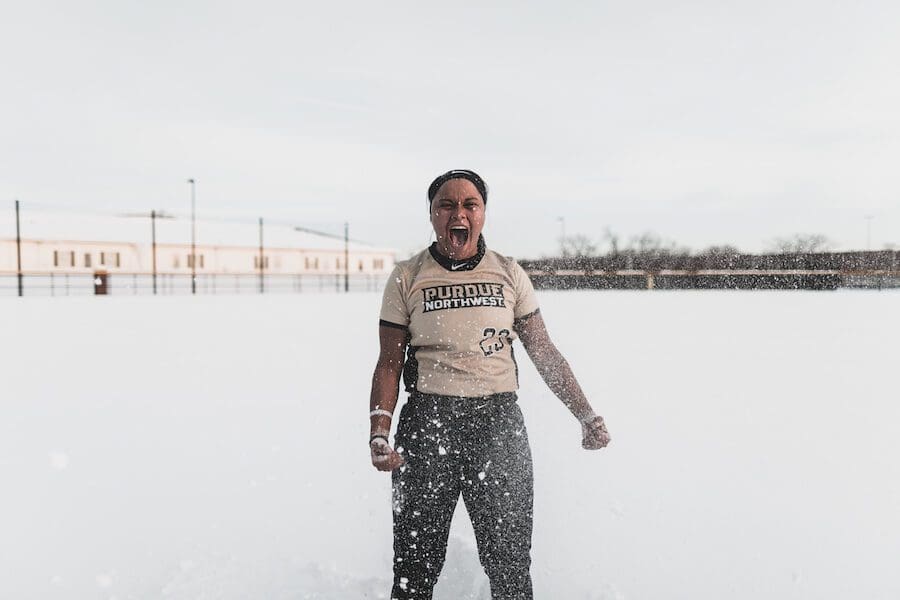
<point>720,250</point>
<point>651,244</point>
<point>612,239</point>
<point>801,243</point>
<point>577,246</point>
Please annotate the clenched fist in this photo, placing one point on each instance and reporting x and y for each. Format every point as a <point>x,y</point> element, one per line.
<point>384,458</point>
<point>594,434</point>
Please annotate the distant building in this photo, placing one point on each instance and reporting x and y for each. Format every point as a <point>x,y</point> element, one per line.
<point>63,243</point>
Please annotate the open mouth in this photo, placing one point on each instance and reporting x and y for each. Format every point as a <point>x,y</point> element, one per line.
<point>459,236</point>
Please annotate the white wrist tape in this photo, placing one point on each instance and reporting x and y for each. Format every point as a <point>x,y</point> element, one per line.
<point>381,412</point>
<point>586,420</point>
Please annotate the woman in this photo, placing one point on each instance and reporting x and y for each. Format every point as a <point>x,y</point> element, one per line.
<point>448,320</point>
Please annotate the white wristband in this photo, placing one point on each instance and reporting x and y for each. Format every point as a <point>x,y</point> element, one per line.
<point>382,412</point>
<point>589,418</point>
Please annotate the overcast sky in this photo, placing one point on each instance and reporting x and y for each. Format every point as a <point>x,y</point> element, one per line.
<point>705,122</point>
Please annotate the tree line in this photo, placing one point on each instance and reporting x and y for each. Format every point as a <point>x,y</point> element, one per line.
<point>651,252</point>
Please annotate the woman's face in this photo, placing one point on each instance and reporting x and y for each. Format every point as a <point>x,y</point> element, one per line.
<point>457,215</point>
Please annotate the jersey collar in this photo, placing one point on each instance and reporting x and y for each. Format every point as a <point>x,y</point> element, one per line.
<point>459,265</point>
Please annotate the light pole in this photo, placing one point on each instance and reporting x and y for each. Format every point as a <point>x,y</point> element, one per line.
<point>18,251</point>
<point>262,260</point>
<point>193,236</point>
<point>562,235</point>
<point>869,231</point>
<point>346,256</point>
<point>153,242</point>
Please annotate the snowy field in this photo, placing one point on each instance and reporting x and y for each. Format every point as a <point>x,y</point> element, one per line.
<point>215,448</point>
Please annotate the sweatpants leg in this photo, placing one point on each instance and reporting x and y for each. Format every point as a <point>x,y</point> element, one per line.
<point>482,453</point>
<point>498,489</point>
<point>425,492</point>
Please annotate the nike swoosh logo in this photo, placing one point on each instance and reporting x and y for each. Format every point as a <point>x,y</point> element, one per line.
<point>458,267</point>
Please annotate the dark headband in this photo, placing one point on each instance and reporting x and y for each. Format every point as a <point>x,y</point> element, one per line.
<point>472,176</point>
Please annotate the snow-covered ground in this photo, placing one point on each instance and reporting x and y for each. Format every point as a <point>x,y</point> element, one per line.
<point>215,448</point>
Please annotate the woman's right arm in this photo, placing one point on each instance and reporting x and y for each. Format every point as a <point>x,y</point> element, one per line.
<point>385,386</point>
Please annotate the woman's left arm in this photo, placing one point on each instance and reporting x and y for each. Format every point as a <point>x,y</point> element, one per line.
<point>557,374</point>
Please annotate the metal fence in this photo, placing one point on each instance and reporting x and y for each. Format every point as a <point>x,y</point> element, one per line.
<point>872,282</point>
<point>135,284</point>
<point>121,254</point>
<point>810,271</point>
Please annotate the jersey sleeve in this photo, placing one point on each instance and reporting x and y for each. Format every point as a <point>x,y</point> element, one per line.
<point>393,303</point>
<point>526,299</point>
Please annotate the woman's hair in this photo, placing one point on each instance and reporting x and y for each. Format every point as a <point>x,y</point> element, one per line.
<point>472,176</point>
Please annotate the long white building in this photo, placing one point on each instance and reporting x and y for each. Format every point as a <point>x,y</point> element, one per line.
<point>61,243</point>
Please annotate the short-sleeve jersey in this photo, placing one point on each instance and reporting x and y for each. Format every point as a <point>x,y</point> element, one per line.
<point>460,320</point>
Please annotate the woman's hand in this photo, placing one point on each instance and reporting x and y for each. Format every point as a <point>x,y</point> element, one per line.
<point>384,395</point>
<point>594,434</point>
<point>558,376</point>
<point>384,458</point>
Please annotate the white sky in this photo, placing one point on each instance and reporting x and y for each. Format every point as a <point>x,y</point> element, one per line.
<point>706,122</point>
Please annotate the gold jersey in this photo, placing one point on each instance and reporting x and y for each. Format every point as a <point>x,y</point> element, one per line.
<point>461,321</point>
